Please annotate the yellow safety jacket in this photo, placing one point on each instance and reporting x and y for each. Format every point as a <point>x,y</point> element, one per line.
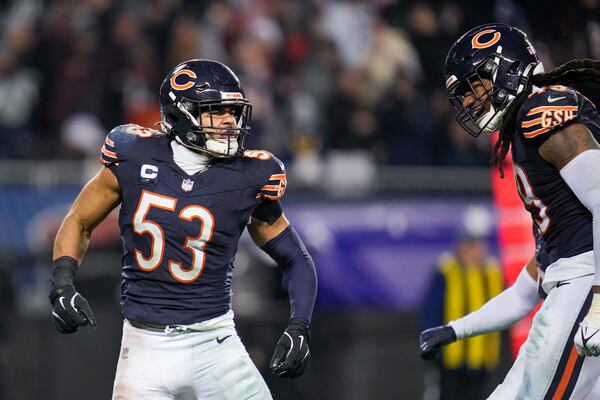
<point>467,289</point>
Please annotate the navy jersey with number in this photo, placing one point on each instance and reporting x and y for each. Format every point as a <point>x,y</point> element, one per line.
<point>180,233</point>
<point>564,223</point>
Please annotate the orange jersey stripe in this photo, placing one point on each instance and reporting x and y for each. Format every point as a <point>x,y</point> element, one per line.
<point>527,124</point>
<point>110,142</point>
<point>271,187</point>
<point>566,376</point>
<point>551,108</point>
<point>531,134</point>
<point>268,196</point>
<point>276,176</point>
<point>108,153</point>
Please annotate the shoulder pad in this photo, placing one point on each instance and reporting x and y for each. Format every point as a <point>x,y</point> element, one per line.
<point>271,174</point>
<point>546,109</point>
<point>122,140</point>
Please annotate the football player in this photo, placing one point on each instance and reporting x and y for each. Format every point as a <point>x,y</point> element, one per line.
<point>187,192</point>
<point>495,81</point>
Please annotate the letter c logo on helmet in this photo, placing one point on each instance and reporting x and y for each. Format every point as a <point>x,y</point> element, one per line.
<point>186,85</point>
<point>479,45</point>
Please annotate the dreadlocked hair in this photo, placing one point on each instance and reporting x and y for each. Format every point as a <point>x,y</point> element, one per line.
<point>574,71</point>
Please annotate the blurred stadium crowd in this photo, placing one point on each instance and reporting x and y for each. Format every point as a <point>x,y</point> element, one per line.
<point>332,82</point>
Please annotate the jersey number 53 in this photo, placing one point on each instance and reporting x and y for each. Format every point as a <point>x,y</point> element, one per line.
<point>196,244</point>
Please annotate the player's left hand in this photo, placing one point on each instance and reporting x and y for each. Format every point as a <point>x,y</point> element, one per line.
<point>292,353</point>
<point>432,340</point>
<point>587,338</point>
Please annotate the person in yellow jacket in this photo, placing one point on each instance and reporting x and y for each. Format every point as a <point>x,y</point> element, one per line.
<point>463,281</point>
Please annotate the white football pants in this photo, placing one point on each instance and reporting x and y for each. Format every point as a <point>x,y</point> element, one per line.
<point>548,367</point>
<point>208,363</point>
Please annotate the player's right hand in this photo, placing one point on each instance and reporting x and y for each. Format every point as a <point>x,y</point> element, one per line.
<point>432,340</point>
<point>70,310</point>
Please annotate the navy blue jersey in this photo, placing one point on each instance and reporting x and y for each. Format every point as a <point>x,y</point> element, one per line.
<point>180,233</point>
<point>564,223</point>
<point>541,255</point>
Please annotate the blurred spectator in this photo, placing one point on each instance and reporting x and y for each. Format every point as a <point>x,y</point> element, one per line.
<point>349,25</point>
<point>351,124</point>
<point>82,136</point>
<point>463,281</point>
<point>459,149</point>
<point>390,52</point>
<point>19,93</point>
<point>407,123</point>
<point>185,40</point>
<point>430,42</point>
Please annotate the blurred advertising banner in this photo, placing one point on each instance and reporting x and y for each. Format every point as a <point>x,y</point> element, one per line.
<point>381,254</point>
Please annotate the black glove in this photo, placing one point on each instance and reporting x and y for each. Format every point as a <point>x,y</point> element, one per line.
<point>292,353</point>
<point>432,340</point>
<point>69,309</point>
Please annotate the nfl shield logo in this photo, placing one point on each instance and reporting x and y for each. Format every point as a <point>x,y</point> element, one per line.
<point>187,185</point>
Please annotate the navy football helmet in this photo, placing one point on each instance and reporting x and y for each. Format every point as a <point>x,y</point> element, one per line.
<point>197,86</point>
<point>496,52</point>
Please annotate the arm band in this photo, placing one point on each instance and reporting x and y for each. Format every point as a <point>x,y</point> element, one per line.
<point>298,270</point>
<point>501,311</point>
<point>268,211</point>
<point>63,272</point>
<point>582,175</point>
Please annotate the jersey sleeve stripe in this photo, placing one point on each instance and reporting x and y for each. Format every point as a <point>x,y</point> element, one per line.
<point>271,187</point>
<point>527,124</point>
<point>107,160</point>
<point>551,108</point>
<point>268,197</point>
<point>277,177</point>
<point>531,134</point>
<point>109,146</point>
<point>110,142</point>
<point>109,153</point>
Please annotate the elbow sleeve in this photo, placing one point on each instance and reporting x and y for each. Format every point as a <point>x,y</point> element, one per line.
<point>299,276</point>
<point>582,175</point>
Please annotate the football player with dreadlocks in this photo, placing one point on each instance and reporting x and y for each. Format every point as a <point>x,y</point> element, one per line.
<point>495,81</point>
<point>186,196</point>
